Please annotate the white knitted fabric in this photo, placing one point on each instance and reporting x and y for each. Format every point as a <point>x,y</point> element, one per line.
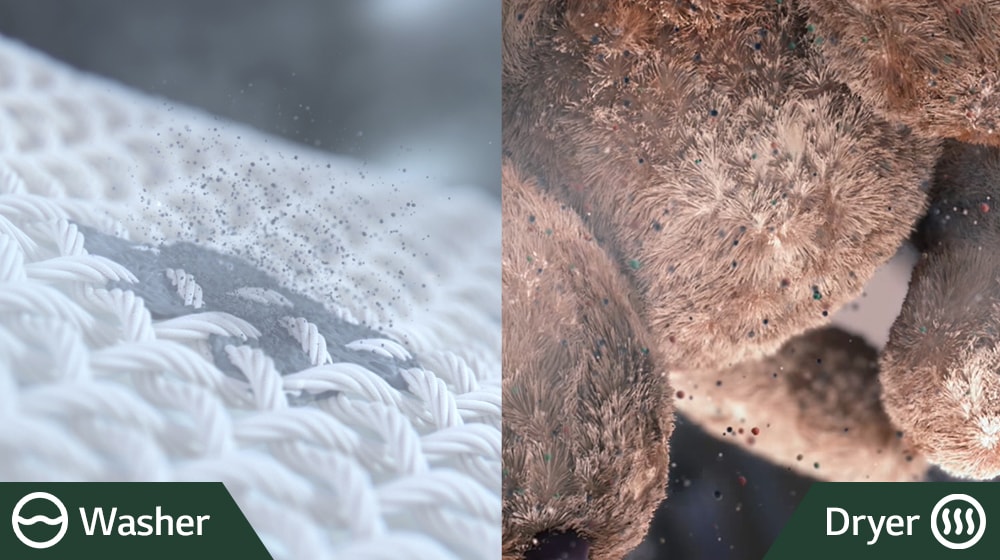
<point>331,460</point>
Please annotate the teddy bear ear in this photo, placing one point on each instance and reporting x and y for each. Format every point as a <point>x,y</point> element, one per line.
<point>940,367</point>
<point>586,405</point>
<point>929,64</point>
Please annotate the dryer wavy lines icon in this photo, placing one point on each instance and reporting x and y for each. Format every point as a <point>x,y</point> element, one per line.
<point>17,521</point>
<point>964,518</point>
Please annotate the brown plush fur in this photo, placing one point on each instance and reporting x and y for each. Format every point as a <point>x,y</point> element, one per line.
<point>931,64</point>
<point>710,179</point>
<point>530,23</point>
<point>814,405</point>
<point>586,403</point>
<point>940,367</point>
<point>743,190</point>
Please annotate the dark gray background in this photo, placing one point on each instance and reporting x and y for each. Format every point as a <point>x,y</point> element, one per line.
<point>407,83</point>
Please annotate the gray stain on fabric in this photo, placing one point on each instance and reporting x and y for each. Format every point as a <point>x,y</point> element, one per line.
<point>233,286</point>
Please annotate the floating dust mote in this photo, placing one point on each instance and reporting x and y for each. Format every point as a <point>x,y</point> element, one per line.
<point>939,368</point>
<point>586,402</point>
<point>931,64</point>
<point>725,171</point>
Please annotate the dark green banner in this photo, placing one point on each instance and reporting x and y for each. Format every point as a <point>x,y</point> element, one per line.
<point>893,520</point>
<point>124,520</point>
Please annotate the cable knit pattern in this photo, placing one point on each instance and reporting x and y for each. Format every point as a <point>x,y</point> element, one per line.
<point>182,298</point>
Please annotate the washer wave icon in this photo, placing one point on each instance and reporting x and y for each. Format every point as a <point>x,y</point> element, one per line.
<point>17,521</point>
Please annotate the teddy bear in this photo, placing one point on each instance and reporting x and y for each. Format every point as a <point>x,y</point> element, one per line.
<point>691,190</point>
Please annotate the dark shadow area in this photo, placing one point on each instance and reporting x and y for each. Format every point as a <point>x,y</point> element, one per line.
<point>723,503</point>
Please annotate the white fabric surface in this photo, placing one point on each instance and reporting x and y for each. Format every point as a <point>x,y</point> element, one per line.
<point>92,388</point>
